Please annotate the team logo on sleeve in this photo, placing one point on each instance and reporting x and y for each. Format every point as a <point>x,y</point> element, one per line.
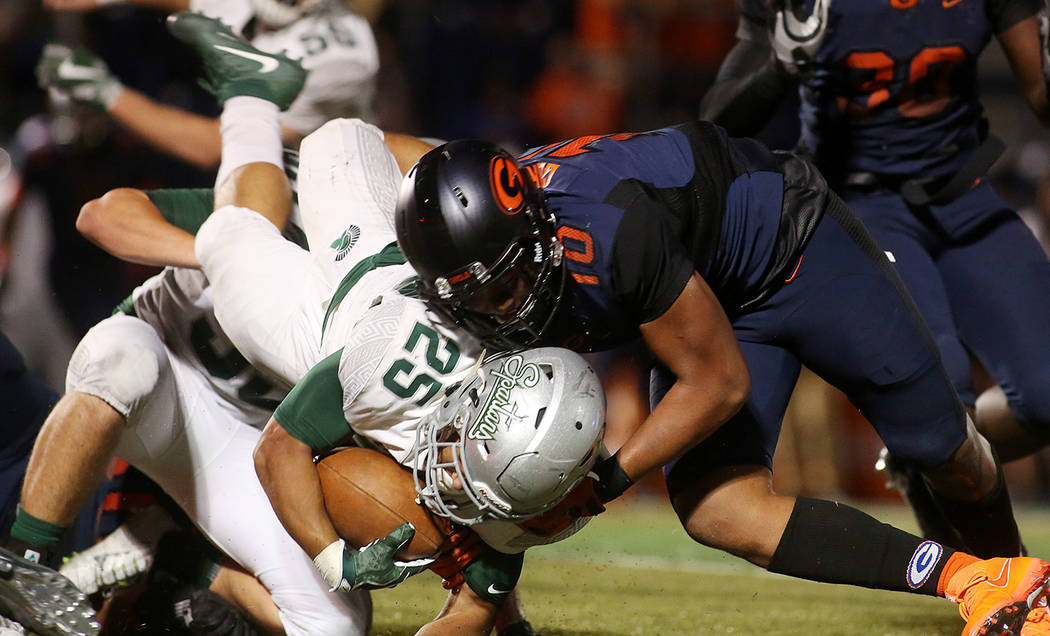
<point>346,242</point>
<point>508,185</point>
<point>923,562</point>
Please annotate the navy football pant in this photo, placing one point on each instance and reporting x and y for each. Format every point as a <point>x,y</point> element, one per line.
<point>846,316</point>
<point>988,291</point>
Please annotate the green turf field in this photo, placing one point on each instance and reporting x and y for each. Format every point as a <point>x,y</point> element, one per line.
<point>633,571</point>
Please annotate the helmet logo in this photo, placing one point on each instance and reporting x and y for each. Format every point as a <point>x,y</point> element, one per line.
<point>513,373</point>
<point>508,185</point>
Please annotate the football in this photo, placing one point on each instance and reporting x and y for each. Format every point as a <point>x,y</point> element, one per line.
<point>368,494</point>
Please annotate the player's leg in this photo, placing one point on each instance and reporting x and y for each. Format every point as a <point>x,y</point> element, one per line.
<point>722,492</point>
<point>224,498</point>
<point>348,184</point>
<point>999,283</point>
<point>722,489</point>
<point>119,371</point>
<point>852,321</point>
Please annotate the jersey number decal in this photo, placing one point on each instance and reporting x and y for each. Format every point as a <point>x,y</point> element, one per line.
<point>924,86</point>
<point>222,360</point>
<point>579,247</point>
<point>316,42</point>
<point>440,361</point>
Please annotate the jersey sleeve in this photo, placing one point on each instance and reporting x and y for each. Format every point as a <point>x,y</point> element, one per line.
<point>649,266</point>
<point>185,208</point>
<point>1003,14</point>
<point>313,410</point>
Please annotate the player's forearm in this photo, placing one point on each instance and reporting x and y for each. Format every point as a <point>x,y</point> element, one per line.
<point>125,223</point>
<point>186,135</point>
<point>685,416</point>
<point>287,473</point>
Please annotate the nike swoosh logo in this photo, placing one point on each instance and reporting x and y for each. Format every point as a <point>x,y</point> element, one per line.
<point>67,70</point>
<point>268,63</point>
<point>947,4</point>
<point>495,591</point>
<point>1003,578</point>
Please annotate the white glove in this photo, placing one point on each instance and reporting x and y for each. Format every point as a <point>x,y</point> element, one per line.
<point>795,40</point>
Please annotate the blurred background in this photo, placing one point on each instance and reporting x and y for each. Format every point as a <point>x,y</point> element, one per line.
<point>520,72</point>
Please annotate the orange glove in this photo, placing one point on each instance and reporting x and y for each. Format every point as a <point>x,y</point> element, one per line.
<point>466,546</point>
<point>582,501</point>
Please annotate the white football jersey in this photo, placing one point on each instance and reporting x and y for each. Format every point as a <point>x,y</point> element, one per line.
<point>334,44</point>
<point>177,304</point>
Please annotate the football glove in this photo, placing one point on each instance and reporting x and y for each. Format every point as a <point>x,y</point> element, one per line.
<point>582,501</point>
<point>77,74</point>
<point>371,567</point>
<point>466,547</point>
<point>795,38</point>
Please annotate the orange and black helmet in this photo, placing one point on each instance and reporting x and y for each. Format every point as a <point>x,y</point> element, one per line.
<point>476,229</point>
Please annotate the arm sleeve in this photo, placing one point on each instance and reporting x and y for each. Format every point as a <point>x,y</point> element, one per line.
<point>313,411</point>
<point>748,88</point>
<point>494,575</point>
<point>186,209</point>
<point>1003,14</point>
<point>650,266</point>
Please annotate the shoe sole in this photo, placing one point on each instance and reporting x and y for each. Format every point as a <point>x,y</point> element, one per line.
<point>1009,620</point>
<point>44,601</point>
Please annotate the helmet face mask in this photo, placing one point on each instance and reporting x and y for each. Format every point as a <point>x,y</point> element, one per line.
<point>476,229</point>
<point>512,440</point>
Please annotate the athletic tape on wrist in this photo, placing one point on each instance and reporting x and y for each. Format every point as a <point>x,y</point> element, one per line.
<point>612,480</point>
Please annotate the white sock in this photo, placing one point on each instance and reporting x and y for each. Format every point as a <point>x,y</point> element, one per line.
<point>250,134</point>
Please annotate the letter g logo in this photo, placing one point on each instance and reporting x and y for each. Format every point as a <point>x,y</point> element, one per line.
<point>508,186</point>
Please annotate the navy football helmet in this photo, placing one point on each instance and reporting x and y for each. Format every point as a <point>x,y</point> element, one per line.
<point>477,231</point>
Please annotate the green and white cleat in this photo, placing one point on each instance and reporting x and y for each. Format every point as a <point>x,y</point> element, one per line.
<point>232,66</point>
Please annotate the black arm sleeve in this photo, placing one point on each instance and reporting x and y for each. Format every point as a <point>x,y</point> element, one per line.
<point>748,88</point>
<point>1003,14</point>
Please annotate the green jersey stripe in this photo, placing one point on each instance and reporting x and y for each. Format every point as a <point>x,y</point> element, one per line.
<point>389,255</point>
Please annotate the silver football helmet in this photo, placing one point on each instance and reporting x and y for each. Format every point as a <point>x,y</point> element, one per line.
<point>513,439</point>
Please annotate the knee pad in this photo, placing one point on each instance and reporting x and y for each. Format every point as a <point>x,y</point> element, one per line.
<point>120,360</point>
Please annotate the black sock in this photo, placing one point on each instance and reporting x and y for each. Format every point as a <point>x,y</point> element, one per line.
<point>987,525</point>
<point>834,543</point>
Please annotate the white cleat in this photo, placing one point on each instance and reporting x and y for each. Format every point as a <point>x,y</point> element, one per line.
<point>122,557</point>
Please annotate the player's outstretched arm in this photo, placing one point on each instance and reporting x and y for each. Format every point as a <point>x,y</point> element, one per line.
<point>1027,47</point>
<point>129,225</point>
<point>694,339</point>
<point>406,149</point>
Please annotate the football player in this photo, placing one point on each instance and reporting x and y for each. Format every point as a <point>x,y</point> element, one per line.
<point>735,265</point>
<point>335,45</point>
<point>186,410</point>
<point>890,114</point>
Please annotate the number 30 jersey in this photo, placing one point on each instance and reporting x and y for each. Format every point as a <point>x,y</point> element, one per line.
<point>893,89</point>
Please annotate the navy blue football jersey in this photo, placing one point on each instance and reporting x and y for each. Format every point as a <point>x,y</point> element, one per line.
<point>638,213</point>
<point>893,88</point>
